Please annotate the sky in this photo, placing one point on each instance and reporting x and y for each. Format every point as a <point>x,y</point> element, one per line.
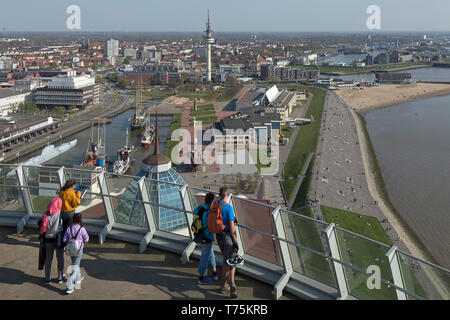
<point>226,15</point>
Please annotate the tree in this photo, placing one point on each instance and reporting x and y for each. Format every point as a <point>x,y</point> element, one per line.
<point>124,83</point>
<point>72,107</point>
<point>114,77</point>
<point>99,79</point>
<point>276,79</point>
<point>60,110</point>
<point>126,60</point>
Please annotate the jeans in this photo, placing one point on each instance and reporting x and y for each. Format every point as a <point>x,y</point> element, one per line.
<point>76,274</point>
<point>67,218</point>
<point>49,249</point>
<point>207,258</point>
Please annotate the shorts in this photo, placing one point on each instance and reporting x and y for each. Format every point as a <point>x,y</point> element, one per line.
<point>225,244</point>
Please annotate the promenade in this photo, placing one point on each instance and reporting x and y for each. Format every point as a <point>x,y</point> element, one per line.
<point>339,175</point>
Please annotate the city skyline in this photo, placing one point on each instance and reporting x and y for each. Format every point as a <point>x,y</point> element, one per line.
<point>234,16</point>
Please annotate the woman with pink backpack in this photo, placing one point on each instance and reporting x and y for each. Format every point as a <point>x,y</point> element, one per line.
<point>75,237</point>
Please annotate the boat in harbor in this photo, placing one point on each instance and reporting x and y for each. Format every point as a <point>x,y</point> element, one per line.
<point>125,158</point>
<point>50,152</point>
<point>147,137</point>
<point>138,120</point>
<point>96,153</point>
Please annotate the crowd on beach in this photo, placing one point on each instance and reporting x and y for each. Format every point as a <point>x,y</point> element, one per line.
<point>61,230</point>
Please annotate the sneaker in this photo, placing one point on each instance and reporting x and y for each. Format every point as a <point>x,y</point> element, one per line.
<point>233,292</point>
<point>216,277</point>
<point>79,281</point>
<point>64,279</point>
<point>205,280</point>
<point>69,291</point>
<point>47,281</point>
<point>224,290</point>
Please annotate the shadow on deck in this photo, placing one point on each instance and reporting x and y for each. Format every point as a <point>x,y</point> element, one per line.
<point>114,270</point>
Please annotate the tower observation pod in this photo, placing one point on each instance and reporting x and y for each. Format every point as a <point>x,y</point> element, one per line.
<point>209,40</point>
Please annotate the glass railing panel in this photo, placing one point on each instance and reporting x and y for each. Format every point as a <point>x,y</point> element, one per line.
<point>126,210</point>
<point>10,197</point>
<point>423,279</point>
<point>44,185</point>
<point>308,233</point>
<point>166,219</point>
<point>197,196</point>
<point>91,205</point>
<point>258,216</point>
<point>370,257</point>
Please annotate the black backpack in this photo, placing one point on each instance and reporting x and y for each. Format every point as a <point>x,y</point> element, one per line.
<point>197,227</point>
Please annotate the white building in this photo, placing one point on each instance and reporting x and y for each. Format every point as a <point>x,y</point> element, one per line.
<point>112,48</point>
<point>10,99</point>
<point>308,59</point>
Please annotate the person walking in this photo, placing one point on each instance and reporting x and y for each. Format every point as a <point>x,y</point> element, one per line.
<point>207,257</point>
<point>78,232</point>
<point>226,238</point>
<point>70,201</point>
<point>51,227</point>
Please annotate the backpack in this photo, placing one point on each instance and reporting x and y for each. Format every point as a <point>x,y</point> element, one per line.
<point>197,227</point>
<point>215,219</point>
<point>73,245</point>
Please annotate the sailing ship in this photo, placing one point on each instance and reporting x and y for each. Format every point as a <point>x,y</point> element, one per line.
<point>95,153</point>
<point>137,122</point>
<point>147,137</point>
<point>124,158</point>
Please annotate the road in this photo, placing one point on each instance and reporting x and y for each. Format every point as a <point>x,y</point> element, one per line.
<point>71,124</point>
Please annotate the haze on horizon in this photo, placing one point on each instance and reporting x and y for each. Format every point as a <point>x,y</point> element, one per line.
<point>229,16</point>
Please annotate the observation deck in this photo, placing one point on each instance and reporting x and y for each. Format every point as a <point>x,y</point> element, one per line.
<point>287,255</point>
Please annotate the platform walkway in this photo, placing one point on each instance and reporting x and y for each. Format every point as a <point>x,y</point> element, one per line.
<point>113,270</point>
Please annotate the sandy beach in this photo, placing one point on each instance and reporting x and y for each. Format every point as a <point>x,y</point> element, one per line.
<point>361,99</point>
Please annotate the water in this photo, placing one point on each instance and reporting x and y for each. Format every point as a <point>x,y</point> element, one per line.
<point>115,139</point>
<point>412,144</point>
<point>422,74</point>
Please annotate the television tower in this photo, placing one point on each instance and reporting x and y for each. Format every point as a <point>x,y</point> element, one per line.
<point>209,40</point>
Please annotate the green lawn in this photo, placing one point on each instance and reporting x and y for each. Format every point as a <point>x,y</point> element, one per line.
<point>302,194</point>
<point>306,140</point>
<point>176,124</point>
<point>204,113</point>
<point>229,93</point>
<point>208,95</point>
<point>363,253</point>
<point>368,69</point>
<point>205,119</point>
<point>156,95</point>
<point>307,234</point>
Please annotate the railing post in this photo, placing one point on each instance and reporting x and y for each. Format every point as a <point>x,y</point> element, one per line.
<point>104,190</point>
<point>61,176</point>
<point>238,233</point>
<point>285,254</point>
<point>189,218</point>
<point>396,273</point>
<point>25,192</point>
<point>148,210</point>
<point>338,268</point>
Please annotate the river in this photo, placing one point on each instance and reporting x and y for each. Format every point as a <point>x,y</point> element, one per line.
<point>412,145</point>
<point>421,74</point>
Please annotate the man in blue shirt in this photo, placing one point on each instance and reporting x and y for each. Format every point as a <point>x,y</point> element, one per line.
<point>207,257</point>
<point>227,242</point>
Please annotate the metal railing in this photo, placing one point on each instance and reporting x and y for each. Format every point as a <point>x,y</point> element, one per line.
<point>404,276</point>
